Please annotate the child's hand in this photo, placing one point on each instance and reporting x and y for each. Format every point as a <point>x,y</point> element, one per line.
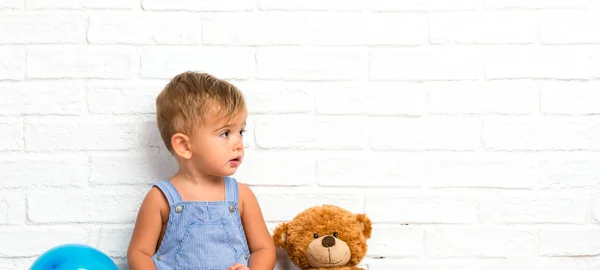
<point>238,266</point>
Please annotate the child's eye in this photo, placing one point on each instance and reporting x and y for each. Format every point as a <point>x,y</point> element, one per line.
<point>242,132</point>
<point>226,133</point>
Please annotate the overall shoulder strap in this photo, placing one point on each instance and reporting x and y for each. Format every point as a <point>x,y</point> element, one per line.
<point>231,189</point>
<point>170,191</point>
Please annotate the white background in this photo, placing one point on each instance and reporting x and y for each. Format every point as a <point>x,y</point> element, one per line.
<point>468,131</point>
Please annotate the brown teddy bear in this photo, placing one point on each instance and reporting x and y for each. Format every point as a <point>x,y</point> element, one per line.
<point>325,237</point>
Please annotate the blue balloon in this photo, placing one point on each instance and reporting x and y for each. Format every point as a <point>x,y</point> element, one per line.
<point>73,257</point>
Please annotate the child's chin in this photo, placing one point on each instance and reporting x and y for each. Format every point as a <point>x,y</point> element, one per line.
<point>229,171</point>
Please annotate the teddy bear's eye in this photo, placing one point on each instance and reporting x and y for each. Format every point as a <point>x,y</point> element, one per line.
<point>335,234</point>
<point>315,235</point>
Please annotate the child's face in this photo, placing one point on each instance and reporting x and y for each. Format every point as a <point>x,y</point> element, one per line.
<point>218,147</point>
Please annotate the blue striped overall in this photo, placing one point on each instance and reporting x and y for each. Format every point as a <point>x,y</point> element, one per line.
<point>202,235</point>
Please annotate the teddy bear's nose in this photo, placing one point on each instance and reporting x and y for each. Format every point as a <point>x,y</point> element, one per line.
<point>328,241</point>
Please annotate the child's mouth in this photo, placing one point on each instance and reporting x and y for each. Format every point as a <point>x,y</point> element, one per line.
<point>235,162</point>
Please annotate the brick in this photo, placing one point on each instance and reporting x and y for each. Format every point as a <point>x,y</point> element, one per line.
<point>267,97</point>
<point>408,29</point>
<point>377,170</point>
<point>533,263</point>
<point>540,263</point>
<point>481,170</point>
<point>11,134</point>
<point>188,5</point>
<point>539,133</point>
<point>35,240</point>
<point>497,27</point>
<point>33,170</point>
<point>596,208</point>
<point>150,136</point>
<point>251,130</point>
<point>285,168</point>
<point>130,168</point>
<point>308,132</point>
<point>16,263</point>
<point>569,170</point>
<point>81,133</point>
<point>569,26</point>
<point>428,264</point>
<point>81,62</point>
<point>82,4</point>
<point>12,207</point>
<point>393,263</point>
<point>460,133</point>
<point>34,98</point>
<point>283,207</point>
<point>426,5</point>
<point>406,244</point>
<point>249,137</point>
<point>257,29</point>
<point>11,4</point>
<point>570,98</point>
<point>271,228</point>
<point>27,28</point>
<point>283,262</point>
<point>116,205</point>
<point>542,209</point>
<point>426,63</point>
<point>12,63</point>
<point>421,209</point>
<point>547,62</point>
<point>491,97</point>
<point>311,64</point>
<point>368,29</point>
<point>114,241</point>
<point>480,242</point>
<point>536,4</point>
<point>145,28</point>
<point>570,242</point>
<point>594,138</point>
<point>226,63</point>
<point>388,99</point>
<point>293,5</point>
<point>121,262</point>
<point>117,97</point>
<point>567,263</point>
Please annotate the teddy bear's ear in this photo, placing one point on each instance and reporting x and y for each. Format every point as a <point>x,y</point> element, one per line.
<point>365,223</point>
<point>280,235</point>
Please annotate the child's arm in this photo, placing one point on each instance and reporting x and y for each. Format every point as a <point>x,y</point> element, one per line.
<point>146,231</point>
<point>262,248</point>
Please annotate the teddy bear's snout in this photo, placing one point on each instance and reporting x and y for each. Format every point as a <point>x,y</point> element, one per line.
<point>328,241</point>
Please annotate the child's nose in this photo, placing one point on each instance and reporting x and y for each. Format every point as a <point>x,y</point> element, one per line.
<point>238,144</point>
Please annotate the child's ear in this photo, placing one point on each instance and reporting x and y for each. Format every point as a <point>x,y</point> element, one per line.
<point>280,235</point>
<point>365,224</point>
<point>181,145</point>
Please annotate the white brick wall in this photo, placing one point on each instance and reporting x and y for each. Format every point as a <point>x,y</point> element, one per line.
<point>469,130</point>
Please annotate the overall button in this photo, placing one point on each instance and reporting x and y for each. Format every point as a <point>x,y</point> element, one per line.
<point>159,258</point>
<point>231,208</point>
<point>178,209</point>
<point>246,256</point>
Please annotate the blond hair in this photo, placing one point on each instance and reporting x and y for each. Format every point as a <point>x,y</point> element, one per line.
<point>186,101</point>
